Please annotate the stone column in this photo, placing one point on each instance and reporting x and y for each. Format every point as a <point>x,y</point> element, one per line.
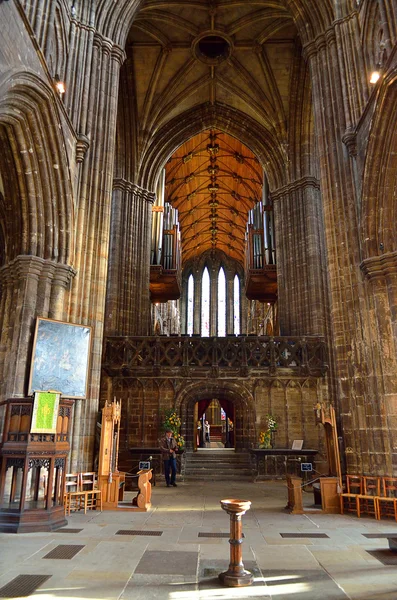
<point>302,299</point>
<point>335,62</point>
<point>128,301</point>
<point>96,117</point>
<point>381,274</point>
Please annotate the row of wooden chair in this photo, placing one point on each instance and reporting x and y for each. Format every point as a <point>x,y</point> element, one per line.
<point>81,492</point>
<point>370,495</point>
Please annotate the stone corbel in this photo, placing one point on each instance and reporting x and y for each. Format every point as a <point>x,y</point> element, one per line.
<point>350,141</point>
<point>82,145</point>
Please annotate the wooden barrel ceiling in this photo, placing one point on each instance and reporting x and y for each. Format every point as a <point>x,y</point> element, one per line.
<point>213,180</point>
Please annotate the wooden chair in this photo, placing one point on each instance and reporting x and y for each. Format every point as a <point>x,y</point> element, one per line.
<point>71,497</point>
<point>348,499</point>
<point>387,501</point>
<point>367,501</point>
<point>88,486</point>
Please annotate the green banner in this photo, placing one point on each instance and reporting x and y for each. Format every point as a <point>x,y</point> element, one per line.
<point>45,412</point>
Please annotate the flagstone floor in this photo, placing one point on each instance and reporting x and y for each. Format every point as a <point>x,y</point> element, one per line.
<point>180,553</point>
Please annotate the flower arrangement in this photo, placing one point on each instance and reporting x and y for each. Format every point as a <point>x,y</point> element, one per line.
<point>265,437</point>
<point>173,422</point>
<point>271,423</point>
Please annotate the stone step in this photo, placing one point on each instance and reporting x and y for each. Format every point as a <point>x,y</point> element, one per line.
<point>218,477</point>
<point>218,466</point>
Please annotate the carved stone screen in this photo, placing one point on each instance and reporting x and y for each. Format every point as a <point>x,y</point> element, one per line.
<point>60,358</point>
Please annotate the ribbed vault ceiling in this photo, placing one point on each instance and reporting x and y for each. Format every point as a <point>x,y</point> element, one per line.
<point>240,54</point>
<point>213,180</point>
<point>170,75</point>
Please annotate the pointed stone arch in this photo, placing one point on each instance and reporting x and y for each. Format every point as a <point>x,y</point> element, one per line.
<point>42,199</point>
<point>261,142</point>
<point>311,17</point>
<point>379,207</point>
<point>234,392</point>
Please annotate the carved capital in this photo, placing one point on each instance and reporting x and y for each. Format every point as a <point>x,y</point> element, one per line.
<point>118,54</point>
<point>24,266</point>
<point>380,266</point>
<point>133,188</point>
<point>299,184</point>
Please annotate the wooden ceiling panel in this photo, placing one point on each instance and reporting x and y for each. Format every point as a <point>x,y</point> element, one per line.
<point>213,180</point>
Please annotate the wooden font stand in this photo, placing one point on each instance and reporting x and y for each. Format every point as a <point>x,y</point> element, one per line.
<point>110,480</point>
<point>236,575</point>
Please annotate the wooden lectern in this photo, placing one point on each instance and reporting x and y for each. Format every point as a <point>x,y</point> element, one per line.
<point>110,481</point>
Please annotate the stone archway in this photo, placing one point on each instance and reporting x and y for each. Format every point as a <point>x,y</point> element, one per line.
<point>233,392</point>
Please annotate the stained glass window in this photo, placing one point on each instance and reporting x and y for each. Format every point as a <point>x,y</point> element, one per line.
<point>221,303</point>
<point>205,304</point>
<point>236,306</point>
<point>190,305</point>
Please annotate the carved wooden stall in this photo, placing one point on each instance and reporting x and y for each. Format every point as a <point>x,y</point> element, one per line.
<point>33,470</point>
<point>328,486</point>
<point>110,480</point>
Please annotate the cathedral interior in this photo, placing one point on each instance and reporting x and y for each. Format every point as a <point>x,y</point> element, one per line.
<point>210,187</point>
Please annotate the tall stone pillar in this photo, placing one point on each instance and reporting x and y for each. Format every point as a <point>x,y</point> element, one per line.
<point>335,61</point>
<point>96,123</point>
<point>302,298</point>
<point>381,276</point>
<point>128,300</point>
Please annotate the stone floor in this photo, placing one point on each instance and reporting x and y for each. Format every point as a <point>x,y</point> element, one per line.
<point>184,561</point>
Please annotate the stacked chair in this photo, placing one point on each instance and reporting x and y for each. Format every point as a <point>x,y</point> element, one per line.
<point>370,495</point>
<point>81,492</point>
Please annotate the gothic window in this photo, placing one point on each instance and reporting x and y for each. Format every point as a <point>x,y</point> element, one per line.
<point>205,304</point>
<point>190,305</point>
<point>236,305</point>
<point>221,303</point>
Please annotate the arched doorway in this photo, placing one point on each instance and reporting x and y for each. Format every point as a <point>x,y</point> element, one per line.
<point>236,400</point>
<point>213,424</point>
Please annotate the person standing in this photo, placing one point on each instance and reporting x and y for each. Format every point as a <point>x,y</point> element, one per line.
<point>169,448</point>
<point>207,431</point>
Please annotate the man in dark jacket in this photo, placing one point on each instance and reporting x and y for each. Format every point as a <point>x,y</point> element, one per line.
<point>169,448</point>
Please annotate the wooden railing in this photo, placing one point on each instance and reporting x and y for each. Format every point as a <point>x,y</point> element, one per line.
<point>130,356</point>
